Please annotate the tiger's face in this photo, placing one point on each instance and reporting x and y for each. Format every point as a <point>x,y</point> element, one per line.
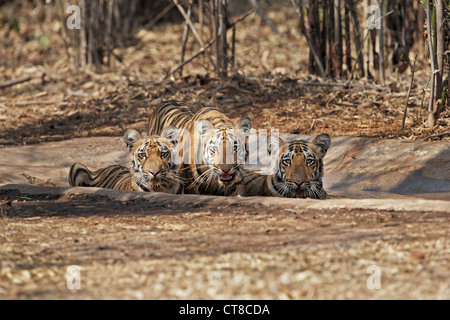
<point>151,164</point>
<point>299,168</point>
<point>224,151</point>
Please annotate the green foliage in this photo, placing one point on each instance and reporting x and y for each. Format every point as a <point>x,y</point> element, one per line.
<point>43,41</point>
<point>13,25</point>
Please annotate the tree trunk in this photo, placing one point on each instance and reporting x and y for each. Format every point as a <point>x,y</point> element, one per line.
<point>435,33</point>
<point>221,35</point>
<point>381,46</point>
<point>349,5</point>
<point>348,45</point>
<point>337,33</point>
<point>314,35</point>
<point>439,55</point>
<point>330,37</point>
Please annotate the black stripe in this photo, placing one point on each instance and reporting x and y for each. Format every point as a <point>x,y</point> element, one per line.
<point>109,180</point>
<point>252,179</point>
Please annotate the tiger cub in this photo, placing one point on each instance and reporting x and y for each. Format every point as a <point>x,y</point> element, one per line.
<point>297,170</point>
<point>214,161</point>
<point>151,167</point>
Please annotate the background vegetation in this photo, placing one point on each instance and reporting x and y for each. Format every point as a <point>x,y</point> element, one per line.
<point>304,66</point>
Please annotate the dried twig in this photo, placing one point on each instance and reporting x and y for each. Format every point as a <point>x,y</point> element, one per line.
<point>341,84</point>
<point>409,92</point>
<point>36,102</point>
<point>185,36</point>
<point>202,50</point>
<point>189,22</point>
<point>265,18</point>
<point>13,82</point>
<point>357,60</point>
<point>159,15</point>
<point>437,136</point>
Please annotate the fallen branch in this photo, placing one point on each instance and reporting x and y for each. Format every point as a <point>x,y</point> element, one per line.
<point>437,136</point>
<point>339,84</point>
<point>36,102</point>
<point>13,82</point>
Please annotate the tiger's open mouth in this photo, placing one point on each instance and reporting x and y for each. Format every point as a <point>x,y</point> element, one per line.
<point>226,177</point>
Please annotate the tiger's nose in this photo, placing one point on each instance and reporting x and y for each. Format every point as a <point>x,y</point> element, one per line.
<point>226,170</point>
<point>299,182</point>
<point>154,172</point>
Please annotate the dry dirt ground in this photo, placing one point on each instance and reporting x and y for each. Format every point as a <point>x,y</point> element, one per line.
<point>140,249</point>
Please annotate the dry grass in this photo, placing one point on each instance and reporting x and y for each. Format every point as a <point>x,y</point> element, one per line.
<point>266,83</point>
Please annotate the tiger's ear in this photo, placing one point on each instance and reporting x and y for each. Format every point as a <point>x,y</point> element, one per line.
<point>131,138</point>
<point>322,143</point>
<point>203,126</point>
<point>172,134</point>
<point>274,145</point>
<point>245,125</point>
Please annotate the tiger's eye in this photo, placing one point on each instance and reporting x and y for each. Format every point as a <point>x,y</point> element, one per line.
<point>310,161</point>
<point>164,155</point>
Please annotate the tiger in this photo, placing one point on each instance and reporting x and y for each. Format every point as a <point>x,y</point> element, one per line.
<point>297,170</point>
<point>213,148</point>
<point>113,177</point>
<point>151,167</point>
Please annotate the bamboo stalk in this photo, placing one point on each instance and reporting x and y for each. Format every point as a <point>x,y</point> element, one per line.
<point>329,17</point>
<point>347,38</point>
<point>314,35</point>
<point>357,36</point>
<point>83,36</point>
<point>207,46</point>
<point>381,46</point>
<point>439,53</point>
<point>337,45</point>
<point>298,8</point>
<point>431,118</point>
